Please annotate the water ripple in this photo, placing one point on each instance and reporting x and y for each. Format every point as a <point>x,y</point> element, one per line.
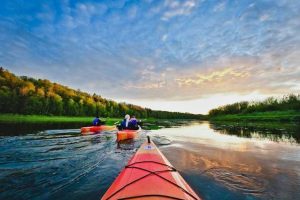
<point>246,183</point>
<point>38,166</point>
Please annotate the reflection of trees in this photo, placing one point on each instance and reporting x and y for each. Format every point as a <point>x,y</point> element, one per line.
<point>274,132</point>
<point>25,128</point>
<point>171,123</point>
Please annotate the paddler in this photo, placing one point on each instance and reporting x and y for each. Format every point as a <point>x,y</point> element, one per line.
<point>97,121</point>
<point>125,123</point>
<point>133,123</point>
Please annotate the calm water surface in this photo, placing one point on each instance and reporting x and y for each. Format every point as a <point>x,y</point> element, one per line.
<point>219,161</point>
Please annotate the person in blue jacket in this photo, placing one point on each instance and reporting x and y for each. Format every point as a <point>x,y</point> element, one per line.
<point>129,123</point>
<point>125,123</point>
<point>133,123</point>
<point>97,121</point>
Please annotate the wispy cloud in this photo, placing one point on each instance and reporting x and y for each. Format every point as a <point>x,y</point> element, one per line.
<point>175,8</point>
<point>172,50</point>
<point>214,76</point>
<point>219,7</point>
<point>264,17</point>
<point>225,75</point>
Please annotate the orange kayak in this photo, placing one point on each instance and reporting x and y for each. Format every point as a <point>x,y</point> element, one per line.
<point>85,130</point>
<point>149,175</point>
<point>127,134</point>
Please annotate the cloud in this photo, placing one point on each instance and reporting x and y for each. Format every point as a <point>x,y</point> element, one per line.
<point>177,8</point>
<point>164,37</point>
<point>220,7</point>
<point>264,17</point>
<point>214,76</point>
<point>225,75</point>
<point>170,50</point>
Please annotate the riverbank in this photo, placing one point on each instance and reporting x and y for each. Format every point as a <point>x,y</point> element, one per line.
<point>148,123</point>
<point>15,118</point>
<point>276,116</point>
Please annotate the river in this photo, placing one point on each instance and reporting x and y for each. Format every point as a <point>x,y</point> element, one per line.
<point>219,161</point>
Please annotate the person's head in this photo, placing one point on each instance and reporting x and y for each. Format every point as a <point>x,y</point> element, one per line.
<point>127,116</point>
<point>132,116</point>
<point>97,116</point>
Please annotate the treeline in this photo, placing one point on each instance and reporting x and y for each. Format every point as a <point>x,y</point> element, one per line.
<point>285,103</point>
<point>24,95</point>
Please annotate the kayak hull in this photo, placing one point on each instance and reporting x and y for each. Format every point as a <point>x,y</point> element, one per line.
<point>149,175</point>
<point>127,134</point>
<point>94,129</point>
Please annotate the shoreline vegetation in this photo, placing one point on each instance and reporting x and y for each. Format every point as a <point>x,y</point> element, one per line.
<point>271,116</point>
<point>284,109</point>
<point>28,100</point>
<point>274,116</point>
<point>28,96</point>
<point>17,118</point>
<point>32,122</point>
<point>151,123</point>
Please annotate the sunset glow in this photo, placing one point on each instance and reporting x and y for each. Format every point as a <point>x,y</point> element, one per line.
<point>188,56</point>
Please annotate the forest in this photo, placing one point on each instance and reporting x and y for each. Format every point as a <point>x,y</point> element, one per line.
<point>289,102</point>
<point>29,96</point>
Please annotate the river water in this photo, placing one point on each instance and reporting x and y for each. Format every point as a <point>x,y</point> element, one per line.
<point>219,161</point>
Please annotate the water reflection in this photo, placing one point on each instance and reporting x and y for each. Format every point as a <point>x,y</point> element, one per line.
<point>161,140</point>
<point>215,163</point>
<point>278,132</point>
<point>13,129</point>
<point>159,124</point>
<point>219,161</point>
<point>226,168</point>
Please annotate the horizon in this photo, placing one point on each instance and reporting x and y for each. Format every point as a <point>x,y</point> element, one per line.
<point>184,56</point>
<point>166,106</point>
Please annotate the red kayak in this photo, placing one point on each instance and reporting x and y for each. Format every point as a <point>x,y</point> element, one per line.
<point>127,134</point>
<point>94,129</point>
<point>149,175</point>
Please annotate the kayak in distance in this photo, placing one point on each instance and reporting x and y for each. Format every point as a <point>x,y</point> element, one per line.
<point>126,134</point>
<point>96,129</point>
<point>149,175</point>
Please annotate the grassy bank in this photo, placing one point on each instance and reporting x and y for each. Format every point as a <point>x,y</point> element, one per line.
<point>16,118</point>
<point>11,118</point>
<point>276,116</point>
<point>147,124</point>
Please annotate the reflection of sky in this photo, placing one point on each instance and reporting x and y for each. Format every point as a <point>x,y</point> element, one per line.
<point>204,135</point>
<point>167,51</point>
<point>258,167</point>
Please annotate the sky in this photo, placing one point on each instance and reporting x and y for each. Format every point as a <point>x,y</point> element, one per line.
<point>187,56</point>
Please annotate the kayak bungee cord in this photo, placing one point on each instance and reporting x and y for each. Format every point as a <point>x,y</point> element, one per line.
<point>150,173</point>
<point>149,166</point>
<point>150,195</point>
<point>172,169</point>
<point>150,161</point>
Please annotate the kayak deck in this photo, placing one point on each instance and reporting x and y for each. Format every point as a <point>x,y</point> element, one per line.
<point>127,134</point>
<point>149,175</point>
